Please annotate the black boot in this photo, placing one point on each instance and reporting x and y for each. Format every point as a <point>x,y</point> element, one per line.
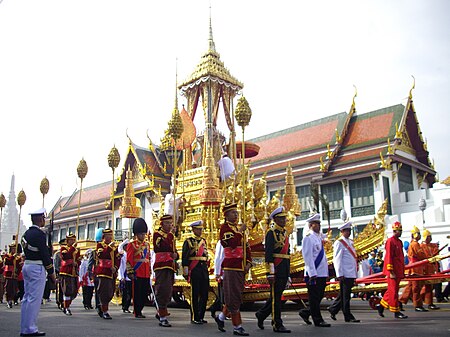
<point>380,310</point>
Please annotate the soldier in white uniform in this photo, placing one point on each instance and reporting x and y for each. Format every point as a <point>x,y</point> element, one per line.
<point>345,264</point>
<point>316,271</point>
<point>37,265</point>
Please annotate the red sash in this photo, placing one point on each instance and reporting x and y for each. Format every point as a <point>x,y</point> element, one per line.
<point>9,267</point>
<point>277,260</point>
<point>194,263</point>
<point>350,250</point>
<point>236,253</point>
<point>163,257</point>
<point>105,263</point>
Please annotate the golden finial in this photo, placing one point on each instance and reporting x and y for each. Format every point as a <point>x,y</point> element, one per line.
<point>45,186</point>
<point>82,169</point>
<point>175,125</point>
<point>329,152</point>
<point>130,204</point>
<point>243,112</point>
<point>425,144</point>
<point>113,158</point>
<point>338,138</point>
<point>385,163</point>
<point>413,86</point>
<point>21,198</point>
<point>2,201</point>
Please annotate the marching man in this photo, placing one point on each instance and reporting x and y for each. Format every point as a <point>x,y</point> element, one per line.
<point>68,271</point>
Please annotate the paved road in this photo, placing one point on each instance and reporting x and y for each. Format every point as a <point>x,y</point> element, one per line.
<point>87,323</point>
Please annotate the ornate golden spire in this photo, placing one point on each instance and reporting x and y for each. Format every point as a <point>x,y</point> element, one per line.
<point>130,204</point>
<point>290,199</point>
<point>210,194</point>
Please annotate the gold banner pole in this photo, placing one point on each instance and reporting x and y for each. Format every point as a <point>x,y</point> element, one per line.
<point>21,198</point>
<point>2,205</point>
<point>82,170</point>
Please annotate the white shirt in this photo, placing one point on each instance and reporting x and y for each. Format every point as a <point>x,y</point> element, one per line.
<point>226,168</point>
<point>218,259</point>
<point>123,268</point>
<point>83,272</point>
<point>344,262</point>
<point>311,247</point>
<point>168,203</point>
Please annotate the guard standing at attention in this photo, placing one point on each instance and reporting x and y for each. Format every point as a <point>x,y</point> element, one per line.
<point>194,259</point>
<point>138,266</point>
<point>277,257</point>
<point>37,266</point>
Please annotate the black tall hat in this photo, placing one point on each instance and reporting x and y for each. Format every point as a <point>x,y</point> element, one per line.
<point>139,226</point>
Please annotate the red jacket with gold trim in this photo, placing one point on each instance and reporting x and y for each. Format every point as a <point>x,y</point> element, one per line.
<point>236,250</point>
<point>11,266</point>
<point>164,247</point>
<point>107,260</point>
<point>138,254</point>
<point>393,257</point>
<point>415,254</point>
<point>70,257</point>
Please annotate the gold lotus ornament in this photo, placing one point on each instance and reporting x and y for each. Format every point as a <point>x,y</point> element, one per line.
<point>45,186</point>
<point>113,163</point>
<point>82,170</point>
<point>21,198</point>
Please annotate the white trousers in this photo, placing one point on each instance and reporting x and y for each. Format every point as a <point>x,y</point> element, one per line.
<point>34,277</point>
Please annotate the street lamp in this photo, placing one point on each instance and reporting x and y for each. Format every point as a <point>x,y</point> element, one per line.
<point>422,207</point>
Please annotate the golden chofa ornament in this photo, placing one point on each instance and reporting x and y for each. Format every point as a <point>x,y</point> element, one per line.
<point>131,207</point>
<point>45,186</point>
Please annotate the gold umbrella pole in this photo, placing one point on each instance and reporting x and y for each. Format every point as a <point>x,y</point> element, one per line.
<point>82,170</point>
<point>243,116</point>
<point>21,198</point>
<point>113,162</point>
<point>45,186</point>
<point>2,204</point>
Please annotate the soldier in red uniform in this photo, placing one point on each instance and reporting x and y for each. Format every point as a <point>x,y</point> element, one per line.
<point>430,250</point>
<point>164,267</point>
<point>68,271</point>
<point>138,265</point>
<point>235,265</point>
<point>107,262</point>
<point>394,269</point>
<point>11,272</point>
<point>415,254</point>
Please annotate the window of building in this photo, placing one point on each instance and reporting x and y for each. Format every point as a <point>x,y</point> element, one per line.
<point>55,236</point>
<point>361,197</point>
<point>119,224</point>
<point>405,178</point>
<point>387,194</point>
<point>304,196</point>
<point>62,233</point>
<point>72,230</point>
<point>81,232</point>
<point>91,231</point>
<point>101,224</point>
<point>335,197</point>
<point>299,236</point>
